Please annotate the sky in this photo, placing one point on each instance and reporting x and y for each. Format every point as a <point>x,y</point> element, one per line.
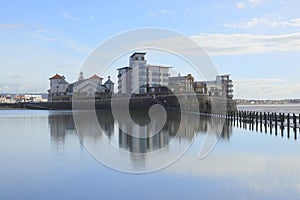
<point>256,41</point>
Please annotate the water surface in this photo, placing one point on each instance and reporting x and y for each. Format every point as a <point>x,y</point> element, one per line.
<point>42,157</point>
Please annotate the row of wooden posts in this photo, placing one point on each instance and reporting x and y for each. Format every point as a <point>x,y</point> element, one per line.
<point>265,121</point>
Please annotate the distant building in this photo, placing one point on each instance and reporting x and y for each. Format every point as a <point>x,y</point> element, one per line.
<point>227,85</point>
<point>61,90</point>
<point>141,77</point>
<point>109,85</point>
<point>6,99</point>
<point>33,98</point>
<point>181,84</point>
<point>200,87</point>
<point>221,87</point>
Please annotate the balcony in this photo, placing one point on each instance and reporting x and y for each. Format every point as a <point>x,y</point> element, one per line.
<point>155,80</point>
<point>166,74</point>
<point>155,74</point>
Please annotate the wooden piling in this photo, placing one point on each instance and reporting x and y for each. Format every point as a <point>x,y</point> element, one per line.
<point>288,121</point>
<point>282,120</point>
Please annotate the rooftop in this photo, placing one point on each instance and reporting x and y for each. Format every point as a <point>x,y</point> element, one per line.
<point>124,68</point>
<point>95,77</point>
<point>57,76</point>
<point>137,53</point>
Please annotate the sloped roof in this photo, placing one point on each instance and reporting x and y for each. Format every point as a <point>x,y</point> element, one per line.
<point>57,76</point>
<point>95,77</point>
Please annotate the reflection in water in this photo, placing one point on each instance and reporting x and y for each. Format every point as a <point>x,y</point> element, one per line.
<point>62,123</point>
<point>111,144</point>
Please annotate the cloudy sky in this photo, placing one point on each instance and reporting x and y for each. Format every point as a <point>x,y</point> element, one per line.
<point>257,41</point>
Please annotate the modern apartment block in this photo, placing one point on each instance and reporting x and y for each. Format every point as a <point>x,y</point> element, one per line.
<point>141,77</point>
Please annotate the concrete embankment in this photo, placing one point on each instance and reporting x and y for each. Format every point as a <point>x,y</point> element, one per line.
<point>203,104</point>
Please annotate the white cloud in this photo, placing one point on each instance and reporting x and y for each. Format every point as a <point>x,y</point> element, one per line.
<point>68,16</point>
<point>11,26</point>
<point>166,11</point>
<point>240,5</point>
<point>52,37</point>
<point>16,76</point>
<point>235,44</point>
<point>24,87</point>
<point>42,35</point>
<point>250,3</point>
<point>230,44</point>
<point>161,12</point>
<point>260,81</point>
<point>188,10</point>
<point>265,22</point>
<point>76,46</point>
<point>92,17</point>
<point>265,89</point>
<point>255,3</point>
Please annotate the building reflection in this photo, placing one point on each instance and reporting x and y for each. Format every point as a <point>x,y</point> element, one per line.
<point>60,124</point>
<point>179,126</point>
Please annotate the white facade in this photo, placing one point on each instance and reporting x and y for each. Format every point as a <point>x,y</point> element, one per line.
<point>139,76</point>
<point>124,80</point>
<point>61,90</point>
<point>158,75</point>
<point>6,99</point>
<point>58,87</point>
<point>138,63</point>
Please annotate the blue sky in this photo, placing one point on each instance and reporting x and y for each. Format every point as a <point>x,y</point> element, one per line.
<point>257,41</point>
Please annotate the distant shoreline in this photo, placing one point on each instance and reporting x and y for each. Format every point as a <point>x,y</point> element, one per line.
<point>266,104</point>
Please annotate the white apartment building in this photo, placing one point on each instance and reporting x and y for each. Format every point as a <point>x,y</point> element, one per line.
<point>140,76</point>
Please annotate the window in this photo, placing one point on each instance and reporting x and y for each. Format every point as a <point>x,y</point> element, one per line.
<point>155,74</point>
<point>155,80</point>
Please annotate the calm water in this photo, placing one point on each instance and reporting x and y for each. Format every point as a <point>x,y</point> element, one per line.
<point>41,157</point>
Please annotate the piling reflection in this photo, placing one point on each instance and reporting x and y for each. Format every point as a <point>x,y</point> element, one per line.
<point>268,123</point>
